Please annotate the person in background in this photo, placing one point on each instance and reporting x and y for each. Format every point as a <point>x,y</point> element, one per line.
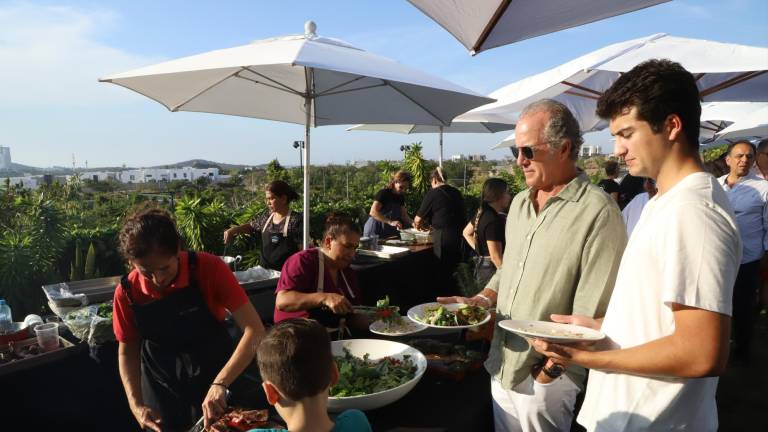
<point>761,160</point>
<point>629,187</point>
<point>298,369</point>
<point>443,209</point>
<point>388,213</point>
<point>634,209</point>
<point>609,184</point>
<point>319,283</point>
<point>176,358</point>
<point>564,239</point>
<point>667,324</point>
<point>281,229</point>
<point>485,234</point>
<point>748,195</point>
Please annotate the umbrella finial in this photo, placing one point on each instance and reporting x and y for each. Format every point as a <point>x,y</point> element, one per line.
<point>310,29</point>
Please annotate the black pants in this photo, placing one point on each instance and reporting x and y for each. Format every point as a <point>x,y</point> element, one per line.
<point>744,297</point>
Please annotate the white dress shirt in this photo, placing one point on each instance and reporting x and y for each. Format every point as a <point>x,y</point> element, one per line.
<point>749,199</point>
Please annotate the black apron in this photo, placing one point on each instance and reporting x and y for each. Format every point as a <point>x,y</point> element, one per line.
<point>392,211</point>
<point>183,348</point>
<point>276,247</point>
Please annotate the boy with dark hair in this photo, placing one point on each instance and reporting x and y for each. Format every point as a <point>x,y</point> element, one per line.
<point>668,320</point>
<point>297,368</point>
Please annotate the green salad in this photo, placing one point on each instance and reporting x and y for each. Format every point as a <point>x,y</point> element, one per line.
<point>466,314</point>
<point>358,377</point>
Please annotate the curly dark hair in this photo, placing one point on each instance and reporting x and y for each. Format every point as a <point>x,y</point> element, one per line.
<point>146,231</point>
<point>657,88</point>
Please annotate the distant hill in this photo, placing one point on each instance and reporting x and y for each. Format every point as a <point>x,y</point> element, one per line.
<point>202,163</point>
<point>18,170</point>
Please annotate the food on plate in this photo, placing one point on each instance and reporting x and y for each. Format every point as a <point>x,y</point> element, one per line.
<point>105,310</point>
<point>362,376</point>
<point>465,314</point>
<point>240,420</point>
<point>396,328</point>
<point>387,313</point>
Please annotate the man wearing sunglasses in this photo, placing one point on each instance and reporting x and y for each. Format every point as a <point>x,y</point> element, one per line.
<point>564,240</point>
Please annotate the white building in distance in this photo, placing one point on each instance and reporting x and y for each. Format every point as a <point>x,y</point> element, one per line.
<point>587,151</point>
<point>147,175</point>
<point>5,158</point>
<point>26,182</point>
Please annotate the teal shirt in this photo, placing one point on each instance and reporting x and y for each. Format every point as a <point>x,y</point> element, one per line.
<point>348,421</point>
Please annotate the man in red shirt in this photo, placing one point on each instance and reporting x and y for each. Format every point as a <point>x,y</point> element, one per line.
<point>176,357</point>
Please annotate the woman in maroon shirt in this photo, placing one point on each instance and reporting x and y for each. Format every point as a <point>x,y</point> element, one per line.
<point>319,283</point>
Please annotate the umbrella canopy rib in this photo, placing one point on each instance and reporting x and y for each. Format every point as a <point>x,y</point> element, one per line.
<point>405,95</point>
<point>290,89</point>
<point>196,95</point>
<point>490,25</point>
<point>582,88</point>
<point>340,85</point>
<point>573,93</point>
<point>293,92</point>
<point>326,93</point>
<point>731,82</point>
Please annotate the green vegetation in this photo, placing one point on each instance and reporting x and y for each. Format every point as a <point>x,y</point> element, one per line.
<point>66,232</point>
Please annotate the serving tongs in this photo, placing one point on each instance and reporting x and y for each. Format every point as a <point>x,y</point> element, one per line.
<point>199,426</point>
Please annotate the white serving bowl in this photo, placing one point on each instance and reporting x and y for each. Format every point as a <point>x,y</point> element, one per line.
<point>376,349</point>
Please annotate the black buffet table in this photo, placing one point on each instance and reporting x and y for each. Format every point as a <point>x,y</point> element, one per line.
<point>83,391</point>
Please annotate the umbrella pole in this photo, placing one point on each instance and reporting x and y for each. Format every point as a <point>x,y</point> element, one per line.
<point>440,160</point>
<point>305,154</point>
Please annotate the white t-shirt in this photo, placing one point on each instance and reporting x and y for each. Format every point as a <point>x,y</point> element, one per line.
<point>633,210</point>
<point>685,249</point>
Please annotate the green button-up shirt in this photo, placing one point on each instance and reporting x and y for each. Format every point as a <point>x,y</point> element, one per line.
<point>562,260</point>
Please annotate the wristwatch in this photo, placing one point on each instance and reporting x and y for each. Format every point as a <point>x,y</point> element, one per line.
<point>553,371</point>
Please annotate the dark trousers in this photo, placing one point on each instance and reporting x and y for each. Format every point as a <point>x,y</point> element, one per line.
<point>744,297</point>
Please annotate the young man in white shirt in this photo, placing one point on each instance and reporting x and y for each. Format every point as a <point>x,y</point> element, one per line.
<point>668,320</point>
<point>748,194</point>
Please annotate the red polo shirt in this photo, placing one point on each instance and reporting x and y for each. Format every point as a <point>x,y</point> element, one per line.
<point>215,280</point>
<point>300,273</point>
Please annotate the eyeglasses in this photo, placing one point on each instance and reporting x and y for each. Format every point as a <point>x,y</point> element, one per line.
<point>527,151</point>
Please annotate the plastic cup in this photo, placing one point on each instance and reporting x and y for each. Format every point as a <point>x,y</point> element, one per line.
<point>48,336</point>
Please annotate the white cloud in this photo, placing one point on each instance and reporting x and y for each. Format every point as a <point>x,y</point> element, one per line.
<point>51,56</point>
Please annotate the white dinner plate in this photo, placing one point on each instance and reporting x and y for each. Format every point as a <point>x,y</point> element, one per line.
<point>416,313</point>
<point>551,331</point>
<point>405,327</point>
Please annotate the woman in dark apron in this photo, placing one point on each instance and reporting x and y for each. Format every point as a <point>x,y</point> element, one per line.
<point>485,233</point>
<point>388,213</point>
<point>177,359</point>
<point>280,228</point>
<point>443,209</point>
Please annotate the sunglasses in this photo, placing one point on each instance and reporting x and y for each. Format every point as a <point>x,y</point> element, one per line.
<point>527,151</point>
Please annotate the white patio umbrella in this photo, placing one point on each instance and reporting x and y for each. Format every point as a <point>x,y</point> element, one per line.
<point>484,24</point>
<point>717,116</point>
<point>752,125</point>
<point>724,72</point>
<point>455,127</point>
<point>302,79</point>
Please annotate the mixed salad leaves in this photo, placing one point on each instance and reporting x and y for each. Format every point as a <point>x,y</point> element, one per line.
<point>440,315</point>
<point>358,377</point>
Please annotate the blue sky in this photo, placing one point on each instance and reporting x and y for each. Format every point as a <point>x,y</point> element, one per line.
<point>52,52</point>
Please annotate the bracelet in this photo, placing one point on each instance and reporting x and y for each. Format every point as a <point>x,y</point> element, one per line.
<point>487,300</point>
<point>220,384</point>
